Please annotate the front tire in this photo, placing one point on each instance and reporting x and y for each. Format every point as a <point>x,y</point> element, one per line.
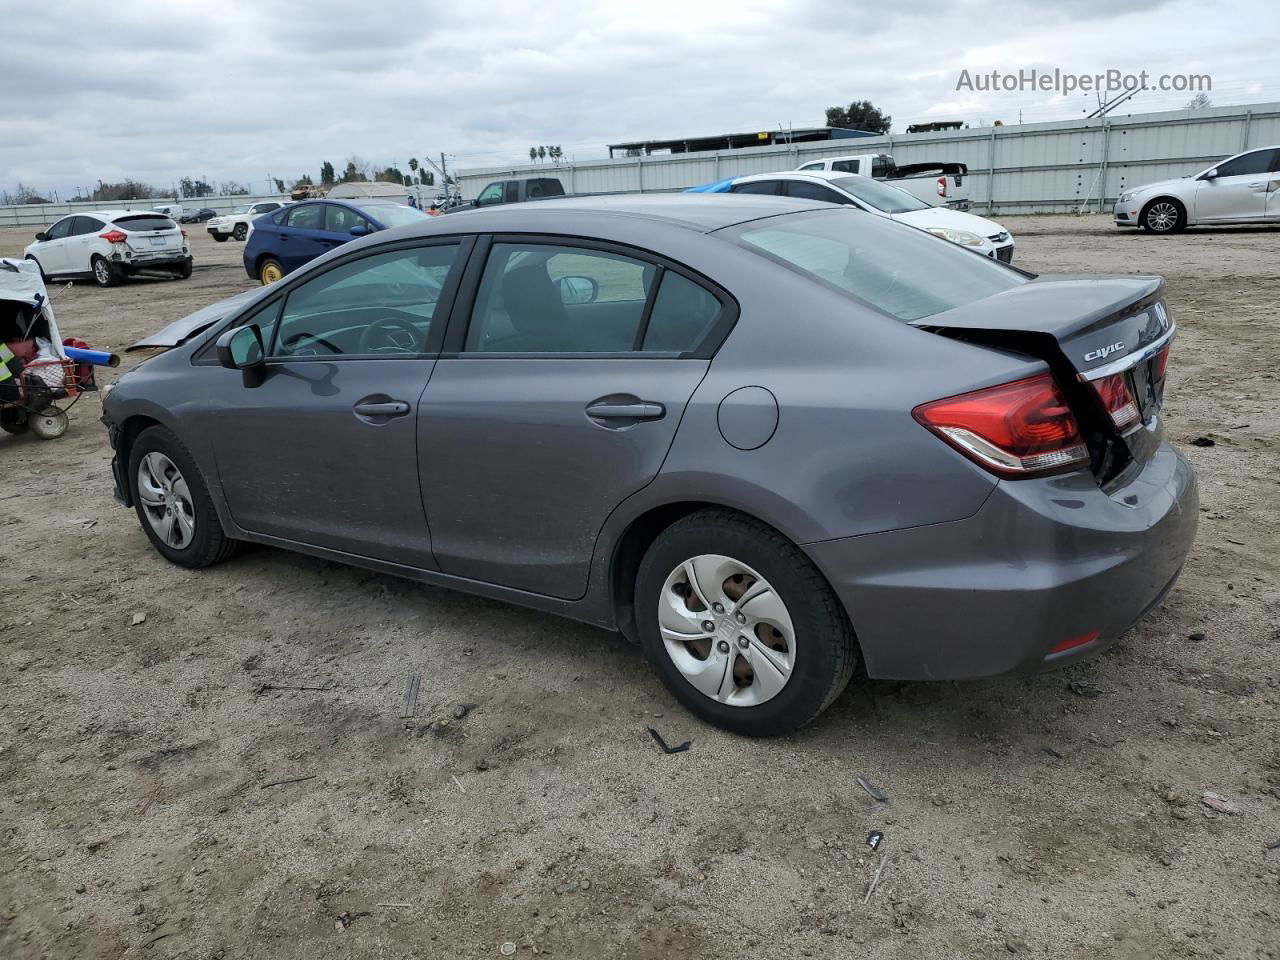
<point>104,274</point>
<point>173,503</point>
<point>741,626</point>
<point>241,231</point>
<point>1164,215</point>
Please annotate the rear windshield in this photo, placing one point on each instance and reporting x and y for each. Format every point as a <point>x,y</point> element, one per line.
<point>145,221</point>
<point>898,269</point>
<point>392,214</point>
<point>880,195</point>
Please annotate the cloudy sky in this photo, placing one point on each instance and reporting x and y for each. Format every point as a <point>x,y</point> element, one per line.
<point>239,90</point>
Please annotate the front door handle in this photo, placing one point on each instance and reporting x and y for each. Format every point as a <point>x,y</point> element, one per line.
<point>381,408</point>
<point>626,411</point>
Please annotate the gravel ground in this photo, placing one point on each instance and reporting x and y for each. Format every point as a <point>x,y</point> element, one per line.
<point>525,804</point>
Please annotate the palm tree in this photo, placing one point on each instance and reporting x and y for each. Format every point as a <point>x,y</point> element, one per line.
<point>533,154</point>
<point>542,153</point>
<point>413,168</point>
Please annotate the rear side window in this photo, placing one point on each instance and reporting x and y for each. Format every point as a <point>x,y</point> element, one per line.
<point>542,298</point>
<point>145,221</point>
<point>807,190</point>
<point>87,225</point>
<point>682,314</point>
<point>845,166</point>
<point>817,166</point>
<point>310,217</point>
<point>897,269</point>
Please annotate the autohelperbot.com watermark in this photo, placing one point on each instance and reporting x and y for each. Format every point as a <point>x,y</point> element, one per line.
<point>1034,80</point>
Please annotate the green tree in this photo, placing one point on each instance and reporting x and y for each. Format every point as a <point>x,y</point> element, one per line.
<point>533,154</point>
<point>859,115</point>
<point>279,184</point>
<point>413,165</point>
<point>326,173</point>
<point>542,153</point>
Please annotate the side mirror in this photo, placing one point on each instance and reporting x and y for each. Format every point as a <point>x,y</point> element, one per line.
<point>576,290</point>
<point>240,348</point>
<point>41,237</point>
<point>1211,174</point>
<point>358,231</point>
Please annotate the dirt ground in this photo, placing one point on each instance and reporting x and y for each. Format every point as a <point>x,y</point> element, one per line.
<point>141,814</point>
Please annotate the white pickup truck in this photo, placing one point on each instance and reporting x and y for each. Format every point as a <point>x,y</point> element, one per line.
<point>937,184</point>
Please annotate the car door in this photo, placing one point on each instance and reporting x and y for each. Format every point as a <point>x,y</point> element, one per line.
<point>302,236</point>
<point>567,369</point>
<point>78,247</point>
<point>51,252</point>
<point>324,450</point>
<point>1239,191</point>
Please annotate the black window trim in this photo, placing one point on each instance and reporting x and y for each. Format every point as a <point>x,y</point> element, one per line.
<point>454,347</point>
<point>205,355</point>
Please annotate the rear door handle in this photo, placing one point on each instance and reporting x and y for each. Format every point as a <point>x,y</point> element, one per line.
<point>381,408</point>
<point>626,411</point>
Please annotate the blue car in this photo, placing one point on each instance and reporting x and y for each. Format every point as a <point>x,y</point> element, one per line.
<point>283,241</point>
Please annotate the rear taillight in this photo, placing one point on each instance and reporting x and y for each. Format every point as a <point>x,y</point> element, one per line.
<point>114,236</point>
<point>942,186</point>
<point>1016,429</point>
<point>1116,396</point>
<point>184,233</point>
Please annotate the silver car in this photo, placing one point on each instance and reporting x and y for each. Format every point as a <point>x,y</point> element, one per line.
<point>1241,189</point>
<point>768,439</point>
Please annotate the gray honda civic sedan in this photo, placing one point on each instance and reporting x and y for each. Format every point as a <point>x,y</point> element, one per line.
<point>767,439</point>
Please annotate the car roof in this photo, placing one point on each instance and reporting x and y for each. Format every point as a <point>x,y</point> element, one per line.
<point>799,175</point>
<point>701,212</point>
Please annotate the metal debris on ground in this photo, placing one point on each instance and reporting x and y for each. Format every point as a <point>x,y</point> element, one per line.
<point>1204,442</point>
<point>1083,688</point>
<point>1274,845</point>
<point>663,744</point>
<point>874,792</point>
<point>411,695</point>
<point>404,905</point>
<point>457,782</point>
<point>874,838</point>
<point>138,618</point>
<point>461,710</point>
<point>1052,752</point>
<point>508,949</point>
<point>288,686</point>
<point>280,783</point>
<point>875,881</point>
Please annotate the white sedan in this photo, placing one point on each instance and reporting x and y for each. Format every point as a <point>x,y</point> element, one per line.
<point>239,222</point>
<point>110,245</point>
<point>1241,189</point>
<point>977,233</point>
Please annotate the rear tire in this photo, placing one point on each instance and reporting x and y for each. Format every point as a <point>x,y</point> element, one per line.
<point>270,271</point>
<point>1163,215</point>
<point>816,660</point>
<point>104,274</point>
<point>219,237</point>
<point>184,487</point>
<point>183,272</point>
<point>241,231</point>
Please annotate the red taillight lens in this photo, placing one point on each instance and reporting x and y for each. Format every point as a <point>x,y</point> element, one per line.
<point>1118,399</point>
<point>184,232</point>
<point>942,186</point>
<point>113,236</point>
<point>1016,429</point>
<point>1160,364</point>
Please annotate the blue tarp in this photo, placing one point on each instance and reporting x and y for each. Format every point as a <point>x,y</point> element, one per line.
<point>720,186</point>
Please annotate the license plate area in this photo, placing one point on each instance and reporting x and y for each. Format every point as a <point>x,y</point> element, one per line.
<point>159,241</point>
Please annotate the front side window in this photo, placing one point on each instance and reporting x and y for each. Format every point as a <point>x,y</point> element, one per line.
<point>900,270</point>
<point>342,219</point>
<point>266,207</point>
<point>541,298</point>
<point>490,194</point>
<point>808,190</point>
<point>309,217</point>
<point>382,305</point>
<point>62,229</point>
<point>1248,165</point>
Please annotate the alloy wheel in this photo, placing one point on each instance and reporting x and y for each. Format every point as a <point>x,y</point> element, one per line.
<point>1162,217</point>
<point>101,271</point>
<point>166,500</point>
<point>727,630</point>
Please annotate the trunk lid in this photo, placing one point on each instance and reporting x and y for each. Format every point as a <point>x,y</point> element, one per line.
<point>150,233</point>
<point>1088,329</point>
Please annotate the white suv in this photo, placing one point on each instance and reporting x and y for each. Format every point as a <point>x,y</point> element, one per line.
<point>110,245</point>
<point>237,223</point>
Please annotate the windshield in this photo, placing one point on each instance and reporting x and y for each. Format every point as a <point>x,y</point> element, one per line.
<point>883,197</point>
<point>393,214</point>
<point>898,269</point>
<point>245,209</point>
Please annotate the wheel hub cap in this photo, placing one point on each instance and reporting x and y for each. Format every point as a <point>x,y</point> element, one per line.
<point>166,500</point>
<point>727,630</point>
